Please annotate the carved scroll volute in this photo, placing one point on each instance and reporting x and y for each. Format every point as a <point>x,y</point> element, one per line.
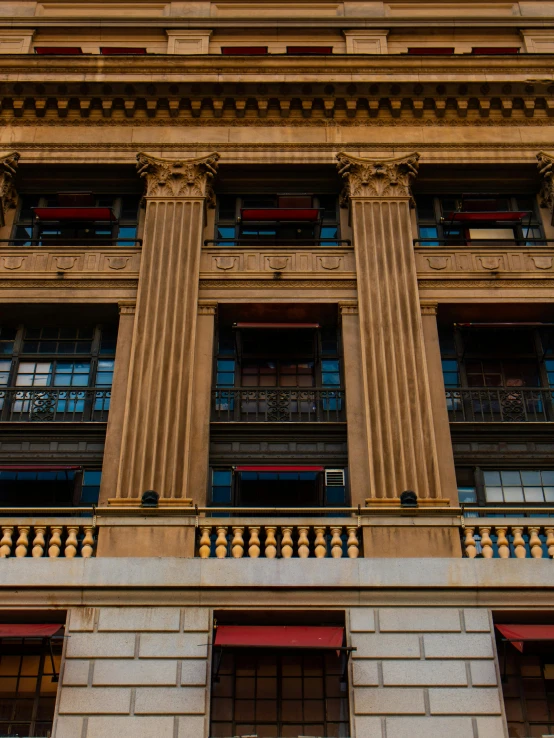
<point>380,178</point>
<point>546,170</point>
<point>8,194</point>
<point>178,178</point>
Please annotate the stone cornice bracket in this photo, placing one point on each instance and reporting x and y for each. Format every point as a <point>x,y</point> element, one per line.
<point>127,307</point>
<point>8,194</point>
<point>348,308</point>
<point>207,308</point>
<point>429,307</point>
<point>379,178</point>
<point>546,170</point>
<point>178,178</point>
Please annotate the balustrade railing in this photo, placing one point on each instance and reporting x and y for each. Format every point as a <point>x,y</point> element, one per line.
<point>47,538</point>
<point>65,404</point>
<point>500,404</point>
<point>278,405</point>
<point>278,540</point>
<point>502,539</point>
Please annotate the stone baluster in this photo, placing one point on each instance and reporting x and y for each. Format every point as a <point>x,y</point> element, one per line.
<point>549,541</point>
<point>23,541</point>
<point>205,545</point>
<point>254,542</point>
<point>519,543</point>
<point>336,543</point>
<point>6,542</point>
<point>237,544</point>
<point>320,545</point>
<point>286,543</point>
<point>39,541</point>
<point>469,543</point>
<point>535,543</point>
<point>486,542</point>
<point>87,547</point>
<point>71,542</point>
<point>55,544</point>
<point>353,544</point>
<point>221,542</point>
<point>502,543</point>
<point>303,542</point>
<point>270,542</point>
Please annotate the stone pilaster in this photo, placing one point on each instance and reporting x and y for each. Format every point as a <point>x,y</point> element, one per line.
<point>401,444</point>
<point>546,170</point>
<point>158,420</point>
<point>8,195</point>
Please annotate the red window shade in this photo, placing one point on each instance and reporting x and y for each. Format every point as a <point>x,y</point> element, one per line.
<point>275,326</point>
<point>244,50</point>
<point>36,467</point>
<point>73,214</point>
<point>495,50</point>
<point>431,50</point>
<point>280,214</point>
<point>518,634</point>
<point>309,49</point>
<point>69,50</point>
<point>44,630</point>
<point>115,50</point>
<point>279,636</point>
<point>279,468</point>
<point>491,217</point>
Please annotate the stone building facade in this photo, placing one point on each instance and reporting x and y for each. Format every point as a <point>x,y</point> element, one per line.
<point>276,369</point>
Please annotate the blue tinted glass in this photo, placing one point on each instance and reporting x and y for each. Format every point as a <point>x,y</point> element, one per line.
<point>287,476</point>
<point>225,380</point>
<point>450,379</point>
<point>449,365</point>
<point>221,495</point>
<point>330,365</point>
<point>248,476</point>
<point>467,494</point>
<point>267,476</point>
<point>226,232</point>
<point>8,475</point>
<point>311,476</point>
<point>92,477</point>
<point>43,476</point>
<point>225,365</point>
<point>428,232</point>
<point>128,232</point>
<point>330,379</point>
<point>89,495</point>
<point>335,495</point>
<point>27,476</point>
<point>221,478</point>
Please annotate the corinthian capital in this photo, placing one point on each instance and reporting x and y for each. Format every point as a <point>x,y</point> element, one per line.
<point>377,178</point>
<point>8,169</point>
<point>546,170</point>
<point>177,178</point>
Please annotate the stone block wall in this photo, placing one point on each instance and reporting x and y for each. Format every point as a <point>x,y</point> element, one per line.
<point>135,671</point>
<point>425,672</point>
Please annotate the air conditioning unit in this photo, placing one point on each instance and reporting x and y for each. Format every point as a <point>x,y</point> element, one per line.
<point>334,478</point>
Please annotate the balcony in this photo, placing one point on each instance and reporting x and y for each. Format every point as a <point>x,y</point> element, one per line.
<point>54,404</point>
<point>509,533</point>
<point>500,404</point>
<point>45,536</point>
<point>280,405</point>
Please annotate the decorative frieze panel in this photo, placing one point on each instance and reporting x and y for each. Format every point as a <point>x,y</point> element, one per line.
<point>233,261</point>
<point>524,262</point>
<point>46,262</point>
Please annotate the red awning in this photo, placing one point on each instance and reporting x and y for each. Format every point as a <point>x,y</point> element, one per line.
<point>518,634</point>
<point>490,217</point>
<point>431,50</point>
<point>495,50</point>
<point>31,630</point>
<point>115,50</point>
<point>73,214</point>
<point>291,215</point>
<point>37,467</point>
<point>279,636</point>
<point>276,325</point>
<point>309,49</point>
<point>279,468</point>
<point>243,50</point>
<point>73,50</point>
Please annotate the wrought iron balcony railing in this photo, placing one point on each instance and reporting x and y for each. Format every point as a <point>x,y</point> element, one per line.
<point>278,405</point>
<point>54,404</point>
<point>500,404</point>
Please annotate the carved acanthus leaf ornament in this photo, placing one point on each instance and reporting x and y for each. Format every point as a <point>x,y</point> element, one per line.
<point>8,169</point>
<point>378,177</point>
<point>178,178</point>
<point>546,170</point>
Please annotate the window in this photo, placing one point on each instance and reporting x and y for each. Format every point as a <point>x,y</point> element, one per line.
<point>121,50</point>
<point>58,365</point>
<point>243,50</point>
<point>519,486</point>
<point>309,50</point>
<point>39,486</point>
<point>279,692</point>
<point>493,50</point>
<point>28,685</point>
<point>117,220</point>
<point>283,219</point>
<point>431,50</point>
<point>461,219</point>
<point>58,50</point>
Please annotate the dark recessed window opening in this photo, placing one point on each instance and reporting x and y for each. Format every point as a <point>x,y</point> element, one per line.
<point>121,50</point>
<point>48,486</point>
<point>492,50</point>
<point>58,50</point>
<point>431,50</point>
<point>309,50</point>
<point>244,50</point>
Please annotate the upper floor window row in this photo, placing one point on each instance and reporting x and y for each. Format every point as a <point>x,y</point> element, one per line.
<point>293,219</point>
<point>460,220</point>
<point>76,218</point>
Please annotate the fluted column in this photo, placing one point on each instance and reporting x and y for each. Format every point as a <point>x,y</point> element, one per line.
<point>401,442</point>
<point>8,195</point>
<point>112,446</point>
<point>157,429</point>
<point>546,195</point>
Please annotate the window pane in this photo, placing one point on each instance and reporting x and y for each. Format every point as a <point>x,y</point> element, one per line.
<point>492,478</point>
